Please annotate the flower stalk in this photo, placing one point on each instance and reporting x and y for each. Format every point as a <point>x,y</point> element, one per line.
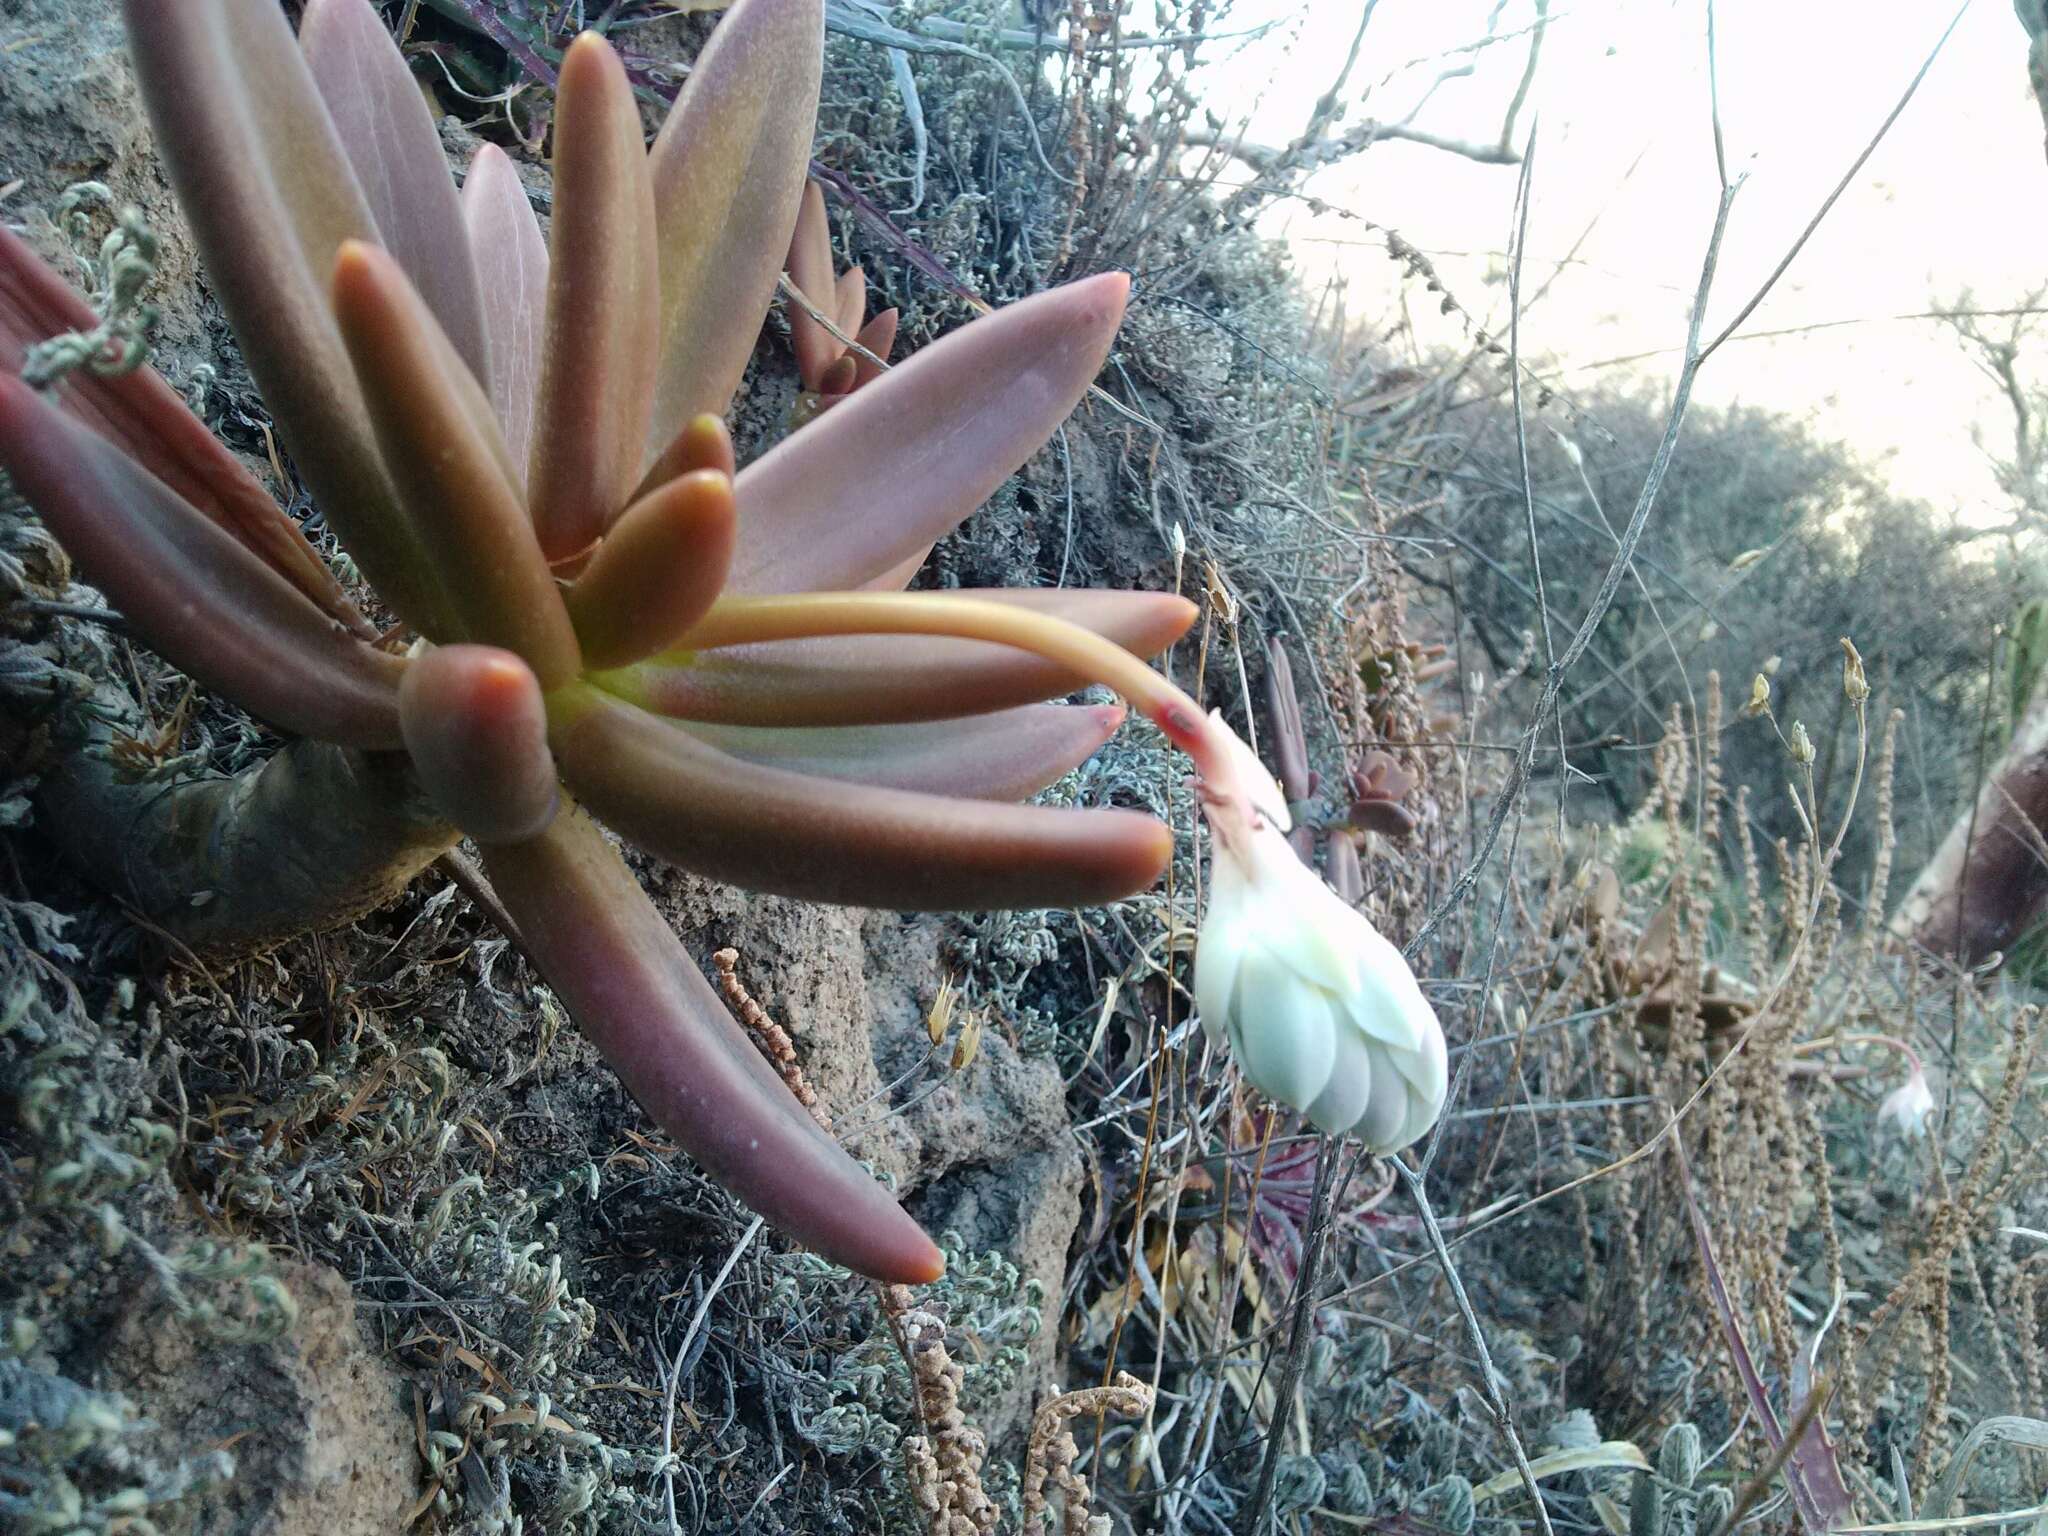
<point>751,620</point>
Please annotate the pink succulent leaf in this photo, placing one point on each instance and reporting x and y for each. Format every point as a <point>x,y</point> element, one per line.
<point>1383,817</point>
<point>599,358</point>
<point>894,679</point>
<point>850,296</point>
<point>144,416</point>
<point>436,431</point>
<point>390,139</point>
<point>1379,777</point>
<point>826,840</point>
<point>1009,755</point>
<point>269,193</point>
<point>511,259</point>
<point>477,733</point>
<point>903,461</point>
<point>810,269</point>
<point>728,169</point>
<point>877,336</point>
<point>193,591</point>
<point>637,995</point>
<point>1290,739</point>
<point>898,576</point>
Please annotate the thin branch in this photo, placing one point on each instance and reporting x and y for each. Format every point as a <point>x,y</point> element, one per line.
<point>1840,187</point>
<point>1297,1341</point>
<point>1509,796</point>
<point>675,1370</point>
<point>1490,1379</point>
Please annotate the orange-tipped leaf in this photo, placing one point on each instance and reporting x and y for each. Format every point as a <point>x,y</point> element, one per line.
<point>452,468</point>
<point>657,571</point>
<point>477,732</point>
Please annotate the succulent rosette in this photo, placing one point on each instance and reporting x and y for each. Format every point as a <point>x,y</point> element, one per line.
<point>586,608</point>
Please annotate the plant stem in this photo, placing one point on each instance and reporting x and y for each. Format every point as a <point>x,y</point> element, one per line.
<point>312,837</point>
<point>1892,1042</point>
<point>749,620</point>
<point>1297,1340</point>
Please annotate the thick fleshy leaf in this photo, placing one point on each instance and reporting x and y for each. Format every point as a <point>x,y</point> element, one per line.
<point>657,571</point>
<point>810,268</point>
<point>263,180</point>
<point>884,679</point>
<point>728,170</point>
<point>603,338</point>
<point>901,463</point>
<point>851,294</point>
<point>704,443</point>
<point>898,576</point>
<point>390,139</point>
<point>142,414</point>
<point>877,336</point>
<point>1009,755</point>
<point>634,991</point>
<point>443,447</point>
<point>511,259</point>
<point>193,591</point>
<point>826,840</point>
<point>477,733</point>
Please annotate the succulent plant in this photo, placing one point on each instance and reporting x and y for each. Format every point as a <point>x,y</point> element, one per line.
<point>593,612</point>
<point>520,443</point>
<point>829,369</point>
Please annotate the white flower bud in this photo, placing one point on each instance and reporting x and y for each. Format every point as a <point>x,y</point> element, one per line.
<point>1909,1106</point>
<point>1321,1012</point>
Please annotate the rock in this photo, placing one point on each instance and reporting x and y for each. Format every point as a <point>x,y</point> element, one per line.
<point>986,1152</point>
<point>316,1421</point>
<point>74,114</point>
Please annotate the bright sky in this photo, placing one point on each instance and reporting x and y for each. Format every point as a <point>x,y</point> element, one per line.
<point>1956,197</point>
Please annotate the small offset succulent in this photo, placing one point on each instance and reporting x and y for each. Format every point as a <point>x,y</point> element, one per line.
<point>827,367</point>
<point>520,443</point>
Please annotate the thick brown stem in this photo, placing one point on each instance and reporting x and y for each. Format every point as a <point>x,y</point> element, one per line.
<point>311,838</point>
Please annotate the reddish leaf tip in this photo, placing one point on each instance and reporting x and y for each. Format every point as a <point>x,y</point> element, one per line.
<point>476,728</point>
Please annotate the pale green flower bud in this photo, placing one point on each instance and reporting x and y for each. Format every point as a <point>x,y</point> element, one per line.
<point>1321,1012</point>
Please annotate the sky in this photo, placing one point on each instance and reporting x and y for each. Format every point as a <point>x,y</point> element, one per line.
<point>1955,199</point>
